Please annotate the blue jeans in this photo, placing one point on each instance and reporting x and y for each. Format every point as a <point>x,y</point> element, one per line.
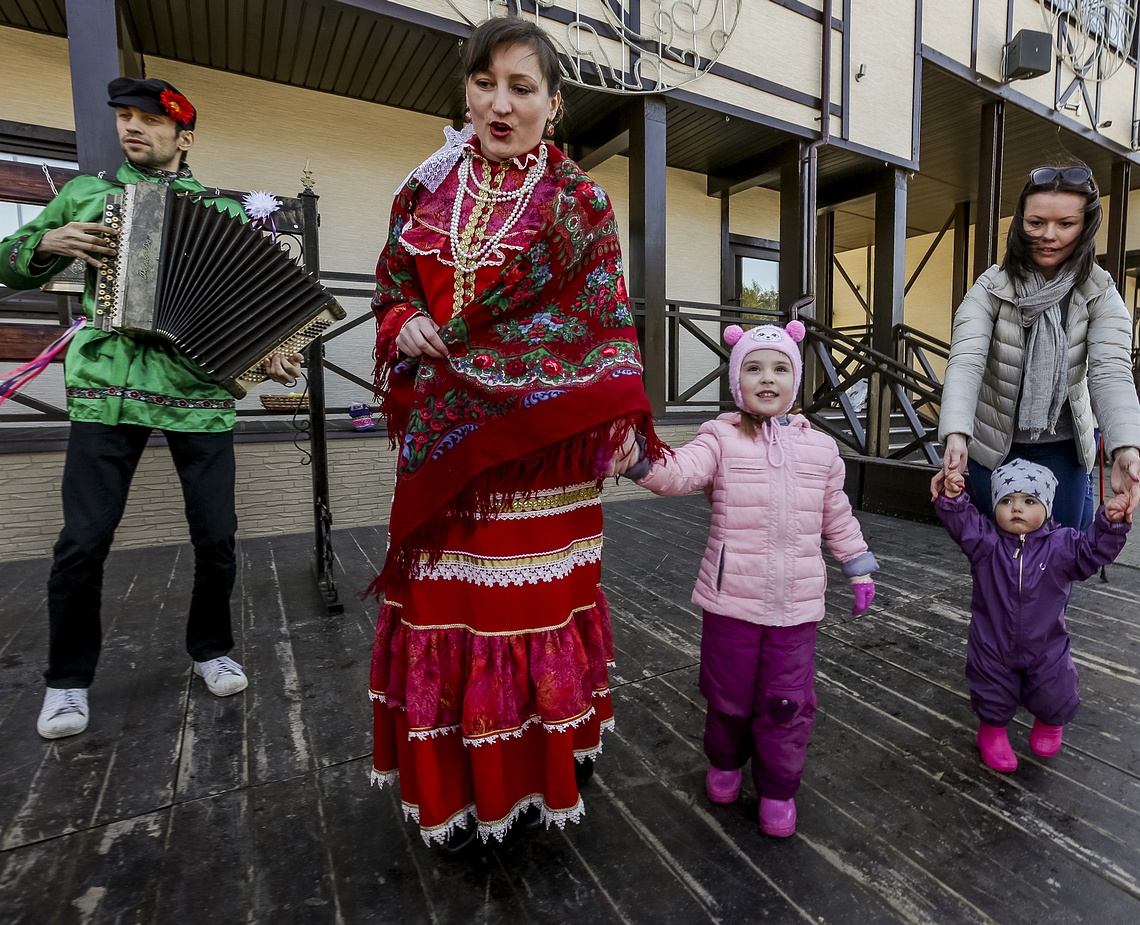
<point>1070,506</point>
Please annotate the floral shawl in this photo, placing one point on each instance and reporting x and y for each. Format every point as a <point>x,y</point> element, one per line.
<point>543,378</point>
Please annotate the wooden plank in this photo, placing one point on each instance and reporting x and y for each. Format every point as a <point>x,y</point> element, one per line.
<point>722,848</point>
<point>23,342</point>
<point>265,794</point>
<point>87,770</point>
<point>915,777</point>
<point>107,874</point>
<point>20,182</point>
<point>262,849</point>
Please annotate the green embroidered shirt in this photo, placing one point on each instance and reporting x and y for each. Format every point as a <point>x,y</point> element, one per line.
<point>116,377</point>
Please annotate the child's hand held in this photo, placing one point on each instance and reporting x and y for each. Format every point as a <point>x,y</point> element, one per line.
<point>1116,509</point>
<point>954,485</point>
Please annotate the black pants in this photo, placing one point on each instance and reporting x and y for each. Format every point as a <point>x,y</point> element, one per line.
<point>101,461</point>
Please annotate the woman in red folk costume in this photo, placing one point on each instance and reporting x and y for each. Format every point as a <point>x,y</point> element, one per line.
<point>511,382</point>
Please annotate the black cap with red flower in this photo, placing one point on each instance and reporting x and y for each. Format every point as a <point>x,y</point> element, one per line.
<point>152,95</point>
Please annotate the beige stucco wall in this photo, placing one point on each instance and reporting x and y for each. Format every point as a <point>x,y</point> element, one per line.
<point>948,28</point>
<point>40,89</point>
<point>254,134</point>
<point>882,102</point>
<point>948,25</point>
<point>780,44</point>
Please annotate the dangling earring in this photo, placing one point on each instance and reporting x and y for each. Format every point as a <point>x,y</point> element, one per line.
<point>549,129</point>
<point>467,116</point>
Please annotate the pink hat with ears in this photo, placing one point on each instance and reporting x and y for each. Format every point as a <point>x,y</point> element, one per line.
<point>764,337</point>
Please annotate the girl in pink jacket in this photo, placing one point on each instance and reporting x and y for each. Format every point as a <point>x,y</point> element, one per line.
<point>776,488</point>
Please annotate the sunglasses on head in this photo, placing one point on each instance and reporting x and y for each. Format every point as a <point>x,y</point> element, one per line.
<point>1040,176</point>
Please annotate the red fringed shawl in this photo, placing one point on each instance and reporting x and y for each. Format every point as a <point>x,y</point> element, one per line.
<point>543,377</point>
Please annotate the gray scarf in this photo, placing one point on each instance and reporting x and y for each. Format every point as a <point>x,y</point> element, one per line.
<point>1045,376</point>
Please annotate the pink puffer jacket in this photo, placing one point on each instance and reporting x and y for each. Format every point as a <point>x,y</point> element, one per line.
<point>763,562</point>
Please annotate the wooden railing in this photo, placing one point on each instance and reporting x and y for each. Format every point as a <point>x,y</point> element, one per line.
<point>837,360</point>
<point>915,347</point>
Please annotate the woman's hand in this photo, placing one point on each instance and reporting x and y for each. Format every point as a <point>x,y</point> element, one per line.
<point>419,337</point>
<point>625,457</point>
<point>1126,477</point>
<point>954,459</point>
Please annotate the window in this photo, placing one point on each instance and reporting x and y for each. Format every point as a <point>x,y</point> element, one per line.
<point>757,264</point>
<point>15,214</point>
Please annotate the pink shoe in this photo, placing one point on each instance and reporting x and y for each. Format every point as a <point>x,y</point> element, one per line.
<point>722,786</point>
<point>1045,740</point>
<point>996,750</point>
<point>777,817</point>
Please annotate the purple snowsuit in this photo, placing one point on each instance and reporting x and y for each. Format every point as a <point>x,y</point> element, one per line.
<point>1018,646</point>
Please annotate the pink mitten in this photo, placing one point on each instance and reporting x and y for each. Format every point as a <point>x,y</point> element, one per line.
<point>864,593</point>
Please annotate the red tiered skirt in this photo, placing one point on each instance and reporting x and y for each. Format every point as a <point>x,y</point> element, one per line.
<point>489,671</point>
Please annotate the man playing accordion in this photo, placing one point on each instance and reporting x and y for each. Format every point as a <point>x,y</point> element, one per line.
<point>120,387</point>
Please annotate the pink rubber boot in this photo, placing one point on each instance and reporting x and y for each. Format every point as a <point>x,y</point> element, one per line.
<point>995,747</point>
<point>777,817</point>
<point>722,786</point>
<point>1045,740</point>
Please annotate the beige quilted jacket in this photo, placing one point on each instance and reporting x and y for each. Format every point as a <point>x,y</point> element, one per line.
<point>983,376</point>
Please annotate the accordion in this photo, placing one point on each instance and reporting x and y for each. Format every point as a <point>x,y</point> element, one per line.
<point>220,289</point>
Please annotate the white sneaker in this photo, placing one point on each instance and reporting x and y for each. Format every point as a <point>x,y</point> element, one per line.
<point>64,712</point>
<point>223,676</point>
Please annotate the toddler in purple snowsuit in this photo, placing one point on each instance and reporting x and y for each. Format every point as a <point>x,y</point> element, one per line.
<point>1024,566</point>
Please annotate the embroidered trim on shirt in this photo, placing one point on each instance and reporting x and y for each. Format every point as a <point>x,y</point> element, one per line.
<point>14,253</point>
<point>151,398</point>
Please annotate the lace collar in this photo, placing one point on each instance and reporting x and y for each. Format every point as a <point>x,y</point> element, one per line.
<point>521,161</point>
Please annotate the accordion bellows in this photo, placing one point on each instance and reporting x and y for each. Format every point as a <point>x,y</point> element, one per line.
<point>220,289</point>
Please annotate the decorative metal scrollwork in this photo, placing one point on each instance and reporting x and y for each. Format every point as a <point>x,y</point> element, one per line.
<point>602,48</point>
<point>1093,36</point>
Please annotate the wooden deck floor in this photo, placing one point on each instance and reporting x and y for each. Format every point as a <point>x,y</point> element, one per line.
<point>177,807</point>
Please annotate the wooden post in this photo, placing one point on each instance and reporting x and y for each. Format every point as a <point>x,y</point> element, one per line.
<point>647,210</point>
<point>990,159</point>
<point>93,49</point>
<point>795,212</point>
<point>960,274</point>
<point>886,299</point>
<point>1118,222</point>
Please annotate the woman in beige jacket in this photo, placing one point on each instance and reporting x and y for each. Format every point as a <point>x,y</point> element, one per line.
<point>1039,344</point>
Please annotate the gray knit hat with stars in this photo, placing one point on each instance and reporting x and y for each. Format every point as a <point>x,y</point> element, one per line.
<point>1026,477</point>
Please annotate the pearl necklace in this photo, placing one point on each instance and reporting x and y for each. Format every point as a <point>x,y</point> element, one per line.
<point>468,260</point>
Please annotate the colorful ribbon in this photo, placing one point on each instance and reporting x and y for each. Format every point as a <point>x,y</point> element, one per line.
<point>15,380</point>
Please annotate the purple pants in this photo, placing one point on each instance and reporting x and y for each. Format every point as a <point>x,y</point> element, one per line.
<point>1004,672</point>
<point>759,682</point>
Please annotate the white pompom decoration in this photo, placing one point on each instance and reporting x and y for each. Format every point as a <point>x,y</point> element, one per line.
<point>259,204</point>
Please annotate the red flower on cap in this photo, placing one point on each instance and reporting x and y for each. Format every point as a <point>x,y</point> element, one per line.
<point>177,107</point>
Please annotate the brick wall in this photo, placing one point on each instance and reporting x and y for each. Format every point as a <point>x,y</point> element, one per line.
<point>274,492</point>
